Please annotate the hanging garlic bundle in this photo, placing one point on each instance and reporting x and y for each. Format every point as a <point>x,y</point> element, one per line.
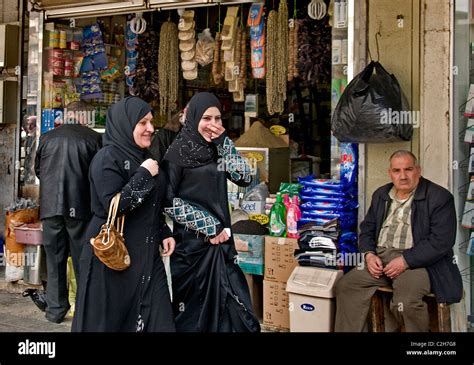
<point>168,67</point>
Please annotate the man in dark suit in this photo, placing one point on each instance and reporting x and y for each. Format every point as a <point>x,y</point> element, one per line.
<point>62,164</point>
<point>407,240</point>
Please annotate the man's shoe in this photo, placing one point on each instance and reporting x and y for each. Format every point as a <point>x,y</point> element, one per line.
<point>38,297</point>
<point>55,320</point>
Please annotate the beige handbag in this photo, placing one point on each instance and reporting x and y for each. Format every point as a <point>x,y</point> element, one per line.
<point>109,244</point>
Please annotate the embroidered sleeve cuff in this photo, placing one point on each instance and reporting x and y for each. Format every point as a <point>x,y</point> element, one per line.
<point>193,218</point>
<point>235,164</point>
<point>137,189</point>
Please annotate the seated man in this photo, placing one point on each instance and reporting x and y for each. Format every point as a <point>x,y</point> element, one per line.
<point>407,238</point>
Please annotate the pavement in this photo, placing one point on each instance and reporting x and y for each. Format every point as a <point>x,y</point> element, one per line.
<point>19,314</point>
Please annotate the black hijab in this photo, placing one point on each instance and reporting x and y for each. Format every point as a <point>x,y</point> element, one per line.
<point>122,117</point>
<point>190,149</point>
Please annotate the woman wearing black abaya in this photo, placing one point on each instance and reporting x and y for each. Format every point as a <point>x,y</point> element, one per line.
<point>210,293</point>
<point>136,299</point>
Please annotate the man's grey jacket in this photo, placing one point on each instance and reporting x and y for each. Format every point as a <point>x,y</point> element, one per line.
<point>433,224</point>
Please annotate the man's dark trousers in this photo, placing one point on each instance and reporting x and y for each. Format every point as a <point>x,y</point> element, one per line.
<point>61,236</point>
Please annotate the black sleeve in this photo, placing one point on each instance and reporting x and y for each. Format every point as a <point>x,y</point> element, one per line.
<point>368,229</point>
<point>38,159</point>
<point>174,174</point>
<point>111,178</point>
<point>440,241</point>
<point>162,183</point>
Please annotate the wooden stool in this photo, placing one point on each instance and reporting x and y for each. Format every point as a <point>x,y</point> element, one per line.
<point>440,320</point>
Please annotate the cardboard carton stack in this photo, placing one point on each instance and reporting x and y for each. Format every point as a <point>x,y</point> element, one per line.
<point>279,264</point>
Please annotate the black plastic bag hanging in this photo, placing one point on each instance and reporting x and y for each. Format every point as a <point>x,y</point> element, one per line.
<point>372,109</point>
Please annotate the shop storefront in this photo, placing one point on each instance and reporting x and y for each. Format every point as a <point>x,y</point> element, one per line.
<point>100,52</point>
<point>284,132</point>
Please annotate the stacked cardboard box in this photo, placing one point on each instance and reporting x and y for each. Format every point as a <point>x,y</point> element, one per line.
<point>279,264</point>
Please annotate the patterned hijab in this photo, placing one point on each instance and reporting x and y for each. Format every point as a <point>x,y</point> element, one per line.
<point>190,149</point>
<point>122,117</point>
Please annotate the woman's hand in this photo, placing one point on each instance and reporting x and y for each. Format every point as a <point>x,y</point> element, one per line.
<point>216,130</point>
<point>168,246</point>
<point>220,238</point>
<point>152,166</point>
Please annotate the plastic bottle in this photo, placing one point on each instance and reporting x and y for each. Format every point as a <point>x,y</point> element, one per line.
<point>286,201</point>
<point>277,218</point>
<point>296,203</point>
<point>292,218</point>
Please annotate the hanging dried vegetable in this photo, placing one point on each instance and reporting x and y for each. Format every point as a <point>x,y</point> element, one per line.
<point>168,67</point>
<point>282,39</point>
<point>216,64</point>
<point>243,59</point>
<point>314,56</point>
<point>146,82</point>
<point>293,50</point>
<point>277,58</point>
<point>271,62</point>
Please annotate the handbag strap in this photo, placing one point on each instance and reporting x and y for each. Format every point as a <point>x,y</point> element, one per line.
<point>114,204</point>
<point>120,224</point>
<point>113,209</point>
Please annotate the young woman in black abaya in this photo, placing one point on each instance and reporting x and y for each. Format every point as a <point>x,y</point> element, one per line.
<point>136,299</point>
<point>210,293</point>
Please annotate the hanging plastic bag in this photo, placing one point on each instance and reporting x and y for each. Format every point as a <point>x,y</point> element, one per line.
<point>372,109</point>
<point>205,48</point>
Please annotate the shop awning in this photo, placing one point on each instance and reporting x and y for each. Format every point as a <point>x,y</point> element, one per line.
<point>173,4</point>
<point>51,4</point>
<point>76,9</point>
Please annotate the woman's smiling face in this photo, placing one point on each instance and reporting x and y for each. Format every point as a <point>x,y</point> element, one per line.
<point>212,116</point>
<point>143,131</point>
